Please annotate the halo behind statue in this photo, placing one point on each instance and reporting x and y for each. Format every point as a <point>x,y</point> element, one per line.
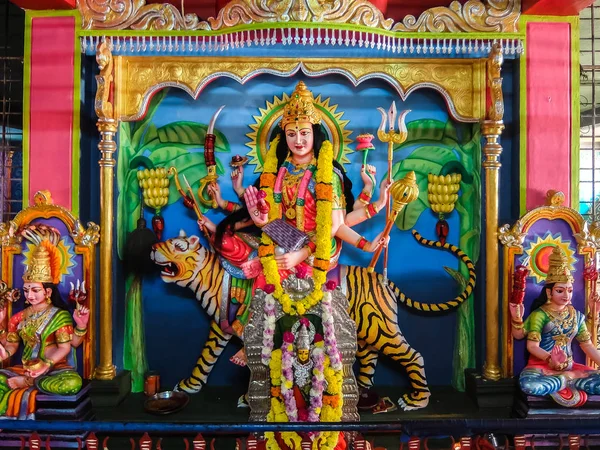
<point>267,125</point>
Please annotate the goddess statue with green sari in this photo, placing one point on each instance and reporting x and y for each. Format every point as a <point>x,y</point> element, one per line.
<point>48,337</point>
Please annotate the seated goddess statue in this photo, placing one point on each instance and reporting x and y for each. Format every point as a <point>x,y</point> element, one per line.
<point>550,330</point>
<point>46,330</point>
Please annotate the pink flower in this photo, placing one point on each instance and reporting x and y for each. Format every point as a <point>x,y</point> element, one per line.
<point>269,288</point>
<point>301,272</point>
<point>288,337</point>
<point>318,338</point>
<point>304,321</point>
<point>331,285</point>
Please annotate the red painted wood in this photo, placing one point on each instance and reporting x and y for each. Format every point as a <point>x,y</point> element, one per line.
<point>51,107</point>
<point>554,7</point>
<point>548,60</point>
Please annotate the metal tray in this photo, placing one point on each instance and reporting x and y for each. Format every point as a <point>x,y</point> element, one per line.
<point>167,402</point>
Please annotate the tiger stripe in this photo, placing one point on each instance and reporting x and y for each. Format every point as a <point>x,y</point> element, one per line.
<point>373,305</point>
<point>374,309</point>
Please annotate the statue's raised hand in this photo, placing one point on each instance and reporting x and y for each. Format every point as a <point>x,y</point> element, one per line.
<point>214,191</point>
<point>367,175</point>
<point>516,312</point>
<point>257,206</point>
<point>237,180</point>
<point>78,294</point>
<point>558,358</point>
<point>81,317</point>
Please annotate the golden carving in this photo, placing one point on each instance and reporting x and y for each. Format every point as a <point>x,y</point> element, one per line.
<point>85,240</point>
<point>512,237</point>
<point>137,15</point>
<point>554,198</point>
<point>472,16</point>
<point>460,82</point>
<point>589,237</point>
<point>134,15</point>
<point>494,84</point>
<point>104,58</point>
<point>243,12</point>
<point>85,236</point>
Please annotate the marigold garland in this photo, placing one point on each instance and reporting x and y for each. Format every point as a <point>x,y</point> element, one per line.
<point>330,412</point>
<point>324,220</point>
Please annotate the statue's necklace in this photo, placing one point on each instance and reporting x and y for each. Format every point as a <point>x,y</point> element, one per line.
<point>302,372</point>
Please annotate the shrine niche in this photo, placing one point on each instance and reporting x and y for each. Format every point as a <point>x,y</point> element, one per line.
<point>224,158</point>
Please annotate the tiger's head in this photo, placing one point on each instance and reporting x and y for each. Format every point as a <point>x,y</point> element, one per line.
<point>180,258</point>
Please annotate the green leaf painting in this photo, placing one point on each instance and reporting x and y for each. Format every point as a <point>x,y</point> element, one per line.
<point>144,145</point>
<point>441,148</point>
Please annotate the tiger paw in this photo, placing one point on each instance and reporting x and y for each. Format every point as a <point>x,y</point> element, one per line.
<point>414,400</point>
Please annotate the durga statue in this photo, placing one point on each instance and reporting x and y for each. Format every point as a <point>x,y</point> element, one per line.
<point>299,212</point>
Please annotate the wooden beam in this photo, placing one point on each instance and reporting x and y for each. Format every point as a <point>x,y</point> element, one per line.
<point>554,7</point>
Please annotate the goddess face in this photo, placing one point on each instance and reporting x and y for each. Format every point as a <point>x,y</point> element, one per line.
<point>300,139</point>
<point>303,355</point>
<point>560,295</point>
<point>35,293</point>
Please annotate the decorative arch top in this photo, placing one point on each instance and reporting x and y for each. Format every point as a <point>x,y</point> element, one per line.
<point>461,82</point>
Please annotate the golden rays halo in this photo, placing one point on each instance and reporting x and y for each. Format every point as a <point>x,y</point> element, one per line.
<point>268,119</point>
<point>537,256</point>
<point>66,257</point>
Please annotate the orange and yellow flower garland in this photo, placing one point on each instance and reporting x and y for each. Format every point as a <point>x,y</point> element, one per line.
<point>322,254</point>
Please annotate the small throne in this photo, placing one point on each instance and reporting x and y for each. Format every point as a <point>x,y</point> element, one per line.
<point>529,243</point>
<point>77,247</point>
<point>259,391</point>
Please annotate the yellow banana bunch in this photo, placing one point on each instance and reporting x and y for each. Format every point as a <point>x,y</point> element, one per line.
<point>155,186</point>
<point>442,192</point>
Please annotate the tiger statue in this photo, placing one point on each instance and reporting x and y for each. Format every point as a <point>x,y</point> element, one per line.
<point>373,305</point>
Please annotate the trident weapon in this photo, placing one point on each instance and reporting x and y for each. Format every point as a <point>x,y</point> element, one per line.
<point>402,192</point>
<point>211,164</point>
<point>391,137</point>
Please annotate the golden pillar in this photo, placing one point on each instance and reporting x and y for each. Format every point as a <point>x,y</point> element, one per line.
<point>107,125</point>
<point>492,129</point>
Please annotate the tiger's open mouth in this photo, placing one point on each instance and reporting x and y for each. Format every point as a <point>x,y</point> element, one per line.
<point>168,269</point>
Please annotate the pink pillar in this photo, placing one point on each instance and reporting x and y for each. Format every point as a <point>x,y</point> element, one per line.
<point>51,107</point>
<point>548,59</point>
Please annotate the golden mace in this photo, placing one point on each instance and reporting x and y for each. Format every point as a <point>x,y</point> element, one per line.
<point>402,192</point>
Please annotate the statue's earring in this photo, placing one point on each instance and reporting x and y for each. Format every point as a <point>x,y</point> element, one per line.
<point>48,300</point>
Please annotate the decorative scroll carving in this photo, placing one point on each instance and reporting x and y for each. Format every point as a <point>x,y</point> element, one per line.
<point>85,236</point>
<point>473,16</point>
<point>460,82</point>
<point>244,12</point>
<point>589,236</point>
<point>134,15</point>
<point>103,105</point>
<point>494,83</point>
<point>554,198</point>
<point>512,237</point>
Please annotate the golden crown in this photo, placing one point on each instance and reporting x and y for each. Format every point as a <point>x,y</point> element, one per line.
<point>300,108</point>
<point>559,269</point>
<point>39,269</point>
